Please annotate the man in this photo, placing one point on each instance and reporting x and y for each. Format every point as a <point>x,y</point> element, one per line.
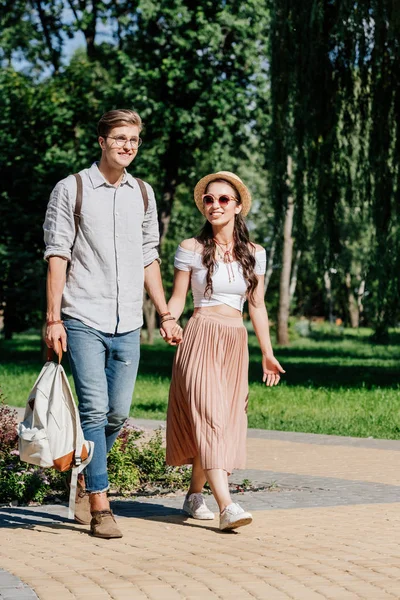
<point>96,273</point>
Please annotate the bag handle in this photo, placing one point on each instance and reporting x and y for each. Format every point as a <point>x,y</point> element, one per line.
<point>55,351</point>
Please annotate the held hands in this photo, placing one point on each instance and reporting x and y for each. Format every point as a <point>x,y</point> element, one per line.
<point>271,370</point>
<point>171,332</point>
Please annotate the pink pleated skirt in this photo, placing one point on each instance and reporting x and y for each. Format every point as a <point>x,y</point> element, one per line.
<point>207,409</point>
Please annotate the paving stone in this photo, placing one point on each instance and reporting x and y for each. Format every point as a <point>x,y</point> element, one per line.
<point>12,588</point>
<point>325,528</point>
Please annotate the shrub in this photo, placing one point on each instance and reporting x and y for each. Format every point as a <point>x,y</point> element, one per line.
<point>20,482</point>
<point>134,465</point>
<point>8,427</point>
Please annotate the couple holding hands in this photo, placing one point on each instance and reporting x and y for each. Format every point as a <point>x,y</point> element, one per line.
<point>96,273</point>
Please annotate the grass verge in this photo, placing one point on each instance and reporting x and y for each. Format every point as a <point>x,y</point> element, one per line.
<point>337,382</point>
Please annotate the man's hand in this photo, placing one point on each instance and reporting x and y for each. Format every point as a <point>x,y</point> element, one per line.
<point>55,335</point>
<point>171,332</point>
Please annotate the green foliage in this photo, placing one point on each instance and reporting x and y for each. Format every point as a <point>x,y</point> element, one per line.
<point>20,482</point>
<point>337,381</point>
<point>189,70</point>
<point>334,109</point>
<point>134,465</point>
<point>220,85</point>
<point>140,465</point>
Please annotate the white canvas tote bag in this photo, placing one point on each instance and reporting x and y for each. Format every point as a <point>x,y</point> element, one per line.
<point>50,434</point>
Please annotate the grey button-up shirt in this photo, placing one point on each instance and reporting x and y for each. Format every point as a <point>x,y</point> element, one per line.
<point>115,241</point>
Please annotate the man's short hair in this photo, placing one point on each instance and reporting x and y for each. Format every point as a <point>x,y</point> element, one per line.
<point>118,118</point>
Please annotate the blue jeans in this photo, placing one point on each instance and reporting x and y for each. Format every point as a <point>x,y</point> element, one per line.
<point>104,367</point>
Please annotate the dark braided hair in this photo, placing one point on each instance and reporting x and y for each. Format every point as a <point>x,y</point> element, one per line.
<point>243,254</point>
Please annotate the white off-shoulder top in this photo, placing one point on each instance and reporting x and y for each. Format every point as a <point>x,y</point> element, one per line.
<point>226,289</point>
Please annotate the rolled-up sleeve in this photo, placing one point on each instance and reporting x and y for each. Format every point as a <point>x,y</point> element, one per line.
<point>59,226</point>
<point>151,233</point>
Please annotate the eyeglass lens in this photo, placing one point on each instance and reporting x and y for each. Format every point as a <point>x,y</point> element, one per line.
<point>121,141</point>
<point>209,199</point>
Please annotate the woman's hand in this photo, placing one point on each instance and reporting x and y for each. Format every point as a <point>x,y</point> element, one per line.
<point>171,332</point>
<point>176,335</point>
<point>271,370</point>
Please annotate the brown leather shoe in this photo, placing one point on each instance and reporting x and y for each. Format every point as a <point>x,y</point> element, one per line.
<point>82,506</point>
<point>103,525</point>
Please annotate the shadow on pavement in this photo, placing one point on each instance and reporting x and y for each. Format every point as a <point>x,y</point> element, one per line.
<point>26,518</point>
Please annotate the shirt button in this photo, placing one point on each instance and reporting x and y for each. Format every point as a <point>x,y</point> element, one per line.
<point>116,214</point>
<point>117,235</point>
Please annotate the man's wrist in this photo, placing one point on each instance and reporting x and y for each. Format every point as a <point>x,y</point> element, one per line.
<point>55,322</point>
<point>53,316</point>
<point>163,310</point>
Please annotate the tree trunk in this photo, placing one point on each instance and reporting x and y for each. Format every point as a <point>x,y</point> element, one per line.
<point>360,296</point>
<point>46,27</point>
<point>328,290</point>
<point>10,318</point>
<point>352,305</point>
<point>284,288</point>
<point>293,279</point>
<point>149,314</point>
<point>270,266</point>
<point>171,162</point>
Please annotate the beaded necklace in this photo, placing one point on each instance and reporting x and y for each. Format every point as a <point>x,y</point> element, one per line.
<point>226,256</point>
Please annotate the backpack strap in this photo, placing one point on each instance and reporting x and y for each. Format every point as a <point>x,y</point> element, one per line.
<point>145,196</point>
<point>79,194</point>
<point>78,203</point>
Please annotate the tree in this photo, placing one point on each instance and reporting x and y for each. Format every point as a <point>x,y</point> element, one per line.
<point>191,66</point>
<point>334,70</point>
<point>194,88</point>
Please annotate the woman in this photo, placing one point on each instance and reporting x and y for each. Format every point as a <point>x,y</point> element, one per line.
<point>207,418</point>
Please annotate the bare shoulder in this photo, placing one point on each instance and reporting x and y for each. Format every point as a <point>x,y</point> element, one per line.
<point>255,247</point>
<point>190,244</point>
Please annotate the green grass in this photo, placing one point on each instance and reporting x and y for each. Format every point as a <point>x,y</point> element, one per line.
<point>337,382</point>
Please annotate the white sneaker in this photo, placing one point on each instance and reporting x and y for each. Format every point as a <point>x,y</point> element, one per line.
<point>234,516</point>
<point>196,507</point>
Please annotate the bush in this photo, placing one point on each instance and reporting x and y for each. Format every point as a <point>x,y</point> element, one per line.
<point>134,465</point>
<point>20,482</point>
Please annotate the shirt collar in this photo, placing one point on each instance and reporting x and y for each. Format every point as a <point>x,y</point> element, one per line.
<point>98,179</point>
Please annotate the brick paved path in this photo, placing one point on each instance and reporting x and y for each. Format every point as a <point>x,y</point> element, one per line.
<point>329,528</point>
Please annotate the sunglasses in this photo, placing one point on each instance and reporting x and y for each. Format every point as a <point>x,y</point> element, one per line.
<point>223,199</point>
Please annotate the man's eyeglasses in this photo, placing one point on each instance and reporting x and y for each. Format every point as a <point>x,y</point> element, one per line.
<point>121,141</point>
<point>223,199</point>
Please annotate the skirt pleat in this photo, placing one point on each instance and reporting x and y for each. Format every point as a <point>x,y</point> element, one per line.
<point>207,409</point>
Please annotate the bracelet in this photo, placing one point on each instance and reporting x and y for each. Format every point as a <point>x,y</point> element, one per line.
<point>164,314</point>
<point>54,323</point>
<point>167,319</point>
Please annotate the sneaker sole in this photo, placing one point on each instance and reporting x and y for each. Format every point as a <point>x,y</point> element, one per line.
<point>198,518</point>
<point>238,523</point>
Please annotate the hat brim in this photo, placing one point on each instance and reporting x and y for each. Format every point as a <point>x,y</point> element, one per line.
<point>201,186</point>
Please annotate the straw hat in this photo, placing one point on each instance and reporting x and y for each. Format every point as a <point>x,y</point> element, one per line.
<point>231,178</point>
